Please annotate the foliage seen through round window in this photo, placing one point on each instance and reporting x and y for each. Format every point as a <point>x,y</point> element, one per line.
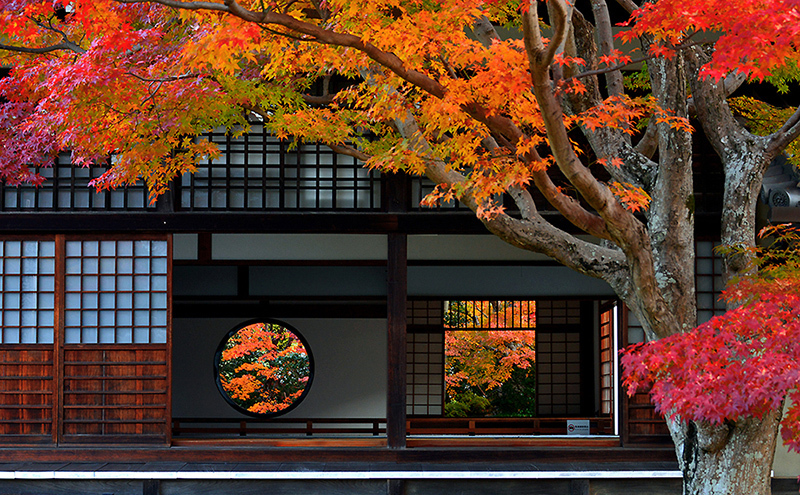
<point>263,368</point>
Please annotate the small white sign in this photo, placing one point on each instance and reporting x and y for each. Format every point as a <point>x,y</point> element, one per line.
<point>577,427</point>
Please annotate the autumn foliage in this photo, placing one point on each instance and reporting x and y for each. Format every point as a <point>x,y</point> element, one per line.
<point>137,81</point>
<point>738,365</point>
<point>264,368</point>
<point>490,371</point>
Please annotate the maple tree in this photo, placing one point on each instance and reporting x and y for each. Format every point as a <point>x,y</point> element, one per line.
<point>490,371</point>
<point>437,91</point>
<point>264,368</point>
<point>740,366</point>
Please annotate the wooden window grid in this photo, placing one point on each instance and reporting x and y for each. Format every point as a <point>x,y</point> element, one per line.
<point>425,374</point>
<point>558,352</point>
<point>708,281</point>
<point>558,373</point>
<point>27,284</point>
<point>491,315</point>
<point>259,172</point>
<point>424,312</point>
<point>558,312</point>
<point>607,358</point>
<point>54,391</point>
<point>115,291</point>
<point>66,188</point>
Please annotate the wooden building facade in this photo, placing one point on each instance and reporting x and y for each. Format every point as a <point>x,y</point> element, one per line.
<point>113,310</point>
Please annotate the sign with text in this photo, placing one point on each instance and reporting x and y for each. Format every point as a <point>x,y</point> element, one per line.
<point>577,427</point>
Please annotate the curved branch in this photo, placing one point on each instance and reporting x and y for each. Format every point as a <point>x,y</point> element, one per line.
<point>606,44</point>
<point>648,144</point>
<point>709,98</point>
<point>625,229</point>
<point>598,196</point>
<point>788,132</point>
<point>177,4</point>
<point>485,31</point>
<point>536,234</point>
<point>65,46</point>
<point>629,5</point>
<point>343,149</point>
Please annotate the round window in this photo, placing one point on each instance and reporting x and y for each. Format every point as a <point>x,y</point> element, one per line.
<point>263,368</point>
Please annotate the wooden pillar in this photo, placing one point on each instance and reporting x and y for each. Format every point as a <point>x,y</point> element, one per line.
<point>397,275</point>
<point>395,487</point>
<point>151,487</point>
<point>58,339</point>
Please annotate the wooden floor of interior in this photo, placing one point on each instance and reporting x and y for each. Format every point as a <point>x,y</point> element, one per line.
<point>486,454</point>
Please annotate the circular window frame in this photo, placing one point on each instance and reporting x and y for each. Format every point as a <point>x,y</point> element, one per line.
<point>218,357</point>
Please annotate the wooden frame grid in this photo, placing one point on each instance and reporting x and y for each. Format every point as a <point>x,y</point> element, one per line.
<point>424,312</point>
<point>66,188</point>
<point>26,393</point>
<point>58,392</point>
<point>425,374</point>
<point>27,291</point>
<point>558,373</point>
<point>259,172</point>
<point>115,291</point>
<point>561,353</point>
<point>607,358</point>
<point>708,281</point>
<point>497,314</point>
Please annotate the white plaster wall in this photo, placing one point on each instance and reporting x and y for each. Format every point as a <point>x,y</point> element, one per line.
<point>466,247</point>
<point>349,376</point>
<point>508,281</point>
<point>298,247</point>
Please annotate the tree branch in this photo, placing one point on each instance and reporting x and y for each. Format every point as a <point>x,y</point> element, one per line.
<point>624,228</point>
<point>648,144</point>
<point>709,98</point>
<point>66,46</point>
<point>606,44</point>
<point>788,132</point>
<point>629,5</point>
<point>598,196</point>
<point>344,149</point>
<point>619,67</point>
<point>177,4</point>
<point>499,125</point>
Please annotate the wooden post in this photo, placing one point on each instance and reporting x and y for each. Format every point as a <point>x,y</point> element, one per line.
<point>151,487</point>
<point>395,487</point>
<point>397,276</point>
<point>58,339</point>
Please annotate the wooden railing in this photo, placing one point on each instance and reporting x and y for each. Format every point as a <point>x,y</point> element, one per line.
<point>250,427</point>
<point>502,426</point>
<point>282,427</point>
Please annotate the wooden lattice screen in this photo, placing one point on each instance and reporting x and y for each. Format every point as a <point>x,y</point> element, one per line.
<point>26,394</point>
<point>84,340</point>
<point>607,359</point>
<point>112,393</point>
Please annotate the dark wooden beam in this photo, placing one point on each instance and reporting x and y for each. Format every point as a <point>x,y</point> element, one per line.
<point>282,222</point>
<point>785,214</point>
<point>278,309</point>
<point>397,268</point>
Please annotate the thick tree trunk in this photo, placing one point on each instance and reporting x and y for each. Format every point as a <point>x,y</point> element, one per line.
<point>728,459</point>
